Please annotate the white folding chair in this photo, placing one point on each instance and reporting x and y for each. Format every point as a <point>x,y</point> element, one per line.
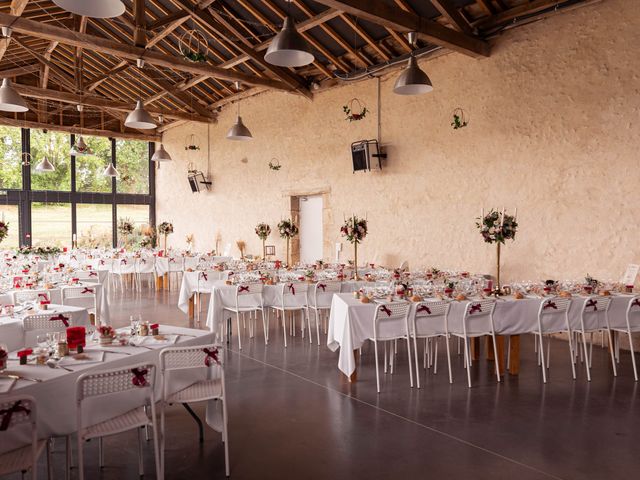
<point>553,317</point>
<point>175,266</point>
<point>82,296</point>
<point>477,321</point>
<point>17,414</point>
<point>293,298</point>
<point>321,301</point>
<point>203,287</point>
<point>430,321</point>
<point>113,385</point>
<point>630,326</point>
<point>254,304</point>
<point>22,296</point>
<point>87,276</point>
<point>176,363</point>
<point>391,322</point>
<point>121,267</point>
<point>145,266</point>
<point>589,323</point>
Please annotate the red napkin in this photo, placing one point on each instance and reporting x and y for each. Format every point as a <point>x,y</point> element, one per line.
<point>25,353</point>
<point>153,326</point>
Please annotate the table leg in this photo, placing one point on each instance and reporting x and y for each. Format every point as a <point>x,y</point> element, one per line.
<point>500,348</point>
<point>159,283</point>
<point>191,307</point>
<point>166,282</point>
<point>354,376</point>
<point>475,349</point>
<point>514,355</point>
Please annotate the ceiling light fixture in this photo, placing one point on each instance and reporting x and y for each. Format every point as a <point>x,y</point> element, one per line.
<point>93,8</point>
<point>10,100</point>
<point>238,130</point>
<point>289,48</point>
<point>110,171</point>
<point>140,118</point>
<point>412,80</point>
<point>161,155</point>
<point>45,166</point>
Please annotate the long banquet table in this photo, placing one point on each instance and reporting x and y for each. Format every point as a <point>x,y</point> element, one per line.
<point>55,392</point>
<point>351,322</point>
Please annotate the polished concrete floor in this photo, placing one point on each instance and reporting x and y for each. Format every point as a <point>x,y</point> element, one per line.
<point>292,415</point>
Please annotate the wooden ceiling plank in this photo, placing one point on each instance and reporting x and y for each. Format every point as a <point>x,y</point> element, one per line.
<point>448,10</point>
<point>121,67</point>
<point>140,22</point>
<point>168,30</point>
<point>168,20</point>
<point>17,7</point>
<point>388,15</point>
<point>43,30</point>
<point>19,71</point>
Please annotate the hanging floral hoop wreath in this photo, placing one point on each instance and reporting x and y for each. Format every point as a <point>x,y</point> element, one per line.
<point>191,143</point>
<point>459,119</point>
<point>355,110</point>
<point>26,159</point>
<point>274,164</point>
<point>194,46</point>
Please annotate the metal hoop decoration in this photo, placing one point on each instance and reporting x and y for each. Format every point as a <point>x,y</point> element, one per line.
<point>191,143</point>
<point>459,119</point>
<point>355,110</point>
<point>274,164</point>
<point>194,46</point>
<point>26,159</point>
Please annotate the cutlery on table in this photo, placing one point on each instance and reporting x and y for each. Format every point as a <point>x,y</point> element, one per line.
<point>20,377</point>
<point>51,363</point>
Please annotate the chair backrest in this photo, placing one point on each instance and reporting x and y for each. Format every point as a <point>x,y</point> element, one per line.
<point>554,306</point>
<point>79,292</point>
<point>633,311</point>
<point>18,412</point>
<point>431,318</point>
<point>30,296</point>
<point>87,275</point>
<point>98,384</point>
<point>596,303</point>
<point>291,289</point>
<point>175,264</point>
<point>391,320</point>
<point>392,311</point>
<point>324,291</point>
<point>145,264</point>
<point>52,322</point>
<point>478,316</point>
<point>249,289</point>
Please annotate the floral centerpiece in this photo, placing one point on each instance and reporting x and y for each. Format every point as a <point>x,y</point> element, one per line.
<point>497,227</point>
<point>355,230</point>
<point>125,228</point>
<point>45,251</point>
<point>263,230</point>
<point>242,245</point>
<point>107,334</point>
<point>287,230</point>
<point>4,230</point>
<point>164,229</point>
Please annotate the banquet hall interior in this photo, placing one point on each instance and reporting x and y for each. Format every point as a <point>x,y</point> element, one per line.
<point>287,239</point>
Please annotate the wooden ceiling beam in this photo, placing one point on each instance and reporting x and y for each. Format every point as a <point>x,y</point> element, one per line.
<point>448,10</point>
<point>17,7</point>
<point>388,15</point>
<point>121,67</point>
<point>168,20</point>
<point>50,32</point>
<point>170,89</point>
<point>167,30</point>
<point>13,122</point>
<point>19,71</point>
<point>104,103</point>
<point>140,30</point>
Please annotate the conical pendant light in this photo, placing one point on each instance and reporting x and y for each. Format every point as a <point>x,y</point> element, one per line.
<point>140,118</point>
<point>45,166</point>
<point>161,155</point>
<point>80,148</point>
<point>110,171</point>
<point>10,100</point>
<point>412,80</point>
<point>288,48</point>
<point>93,8</point>
<point>239,131</point>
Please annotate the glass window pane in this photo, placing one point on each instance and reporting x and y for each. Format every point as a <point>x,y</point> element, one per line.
<point>94,225</point>
<point>9,215</point>
<point>11,155</point>
<point>51,224</point>
<point>139,216</point>
<point>55,145</point>
<point>89,168</point>
<point>132,162</point>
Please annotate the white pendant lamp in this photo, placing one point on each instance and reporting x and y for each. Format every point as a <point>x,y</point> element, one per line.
<point>110,171</point>
<point>10,100</point>
<point>161,155</point>
<point>140,118</point>
<point>288,48</point>
<point>80,148</point>
<point>45,166</point>
<point>239,131</point>
<point>412,80</point>
<point>93,8</point>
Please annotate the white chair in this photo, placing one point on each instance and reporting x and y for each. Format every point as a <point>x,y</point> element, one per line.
<point>113,385</point>
<point>145,266</point>
<point>430,321</point>
<point>17,413</point>
<point>321,301</point>
<point>121,267</point>
<point>175,266</point>
<point>203,287</point>
<point>630,325</point>
<point>254,303</point>
<point>293,298</point>
<point>391,322</point>
<point>553,317</point>
<point>34,325</point>
<point>87,276</point>
<point>477,321</point>
<point>82,296</point>
<point>22,296</point>
<point>589,323</point>
<point>178,362</point>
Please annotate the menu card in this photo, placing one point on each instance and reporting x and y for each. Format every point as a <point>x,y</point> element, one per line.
<point>629,277</point>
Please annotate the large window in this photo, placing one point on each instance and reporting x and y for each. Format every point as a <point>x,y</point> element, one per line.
<point>50,223</point>
<point>48,207</point>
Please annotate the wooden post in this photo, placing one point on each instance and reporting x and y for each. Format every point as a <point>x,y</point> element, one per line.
<point>191,306</point>
<point>514,355</point>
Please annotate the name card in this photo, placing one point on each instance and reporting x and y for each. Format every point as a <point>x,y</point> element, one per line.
<point>630,275</point>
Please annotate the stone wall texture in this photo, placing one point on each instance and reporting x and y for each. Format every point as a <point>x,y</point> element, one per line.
<point>554,131</point>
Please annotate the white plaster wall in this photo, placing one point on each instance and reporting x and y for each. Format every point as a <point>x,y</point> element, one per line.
<point>554,116</point>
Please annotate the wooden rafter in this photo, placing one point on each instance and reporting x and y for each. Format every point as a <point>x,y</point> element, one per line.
<point>17,7</point>
<point>453,15</point>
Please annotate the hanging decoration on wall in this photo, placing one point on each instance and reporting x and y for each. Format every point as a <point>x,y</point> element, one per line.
<point>355,110</point>
<point>194,46</point>
<point>191,143</point>
<point>274,164</point>
<point>459,119</point>
<point>26,159</point>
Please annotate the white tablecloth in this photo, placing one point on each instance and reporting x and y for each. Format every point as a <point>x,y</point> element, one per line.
<point>12,332</point>
<point>56,394</point>
<point>351,322</point>
<point>190,285</point>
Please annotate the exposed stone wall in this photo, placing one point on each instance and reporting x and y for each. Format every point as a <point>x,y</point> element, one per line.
<point>554,131</point>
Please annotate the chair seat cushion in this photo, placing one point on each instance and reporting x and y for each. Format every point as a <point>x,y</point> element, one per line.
<point>203,390</point>
<point>243,309</point>
<point>122,423</point>
<point>18,460</point>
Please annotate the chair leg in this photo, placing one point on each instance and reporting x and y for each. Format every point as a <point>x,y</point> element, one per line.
<point>611,349</point>
<point>69,460</point>
<point>542,365</point>
<point>225,436</point>
<point>446,338</point>
<point>80,458</point>
<point>238,323</point>
<point>548,351</point>
<point>415,351</point>
<point>495,353</point>
<point>586,355</point>
<point>265,326</point>
<point>466,361</point>
<point>49,462</point>
<point>284,328</point>
<point>140,462</point>
<point>386,361</point>
<point>633,356</point>
<point>435,356</point>
<point>100,453</point>
<point>375,347</point>
<point>409,358</point>
<point>572,356</point>
<point>318,325</point>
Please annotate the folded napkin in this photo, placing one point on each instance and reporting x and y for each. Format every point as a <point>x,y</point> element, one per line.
<point>6,384</point>
<point>83,358</point>
<point>161,340</point>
